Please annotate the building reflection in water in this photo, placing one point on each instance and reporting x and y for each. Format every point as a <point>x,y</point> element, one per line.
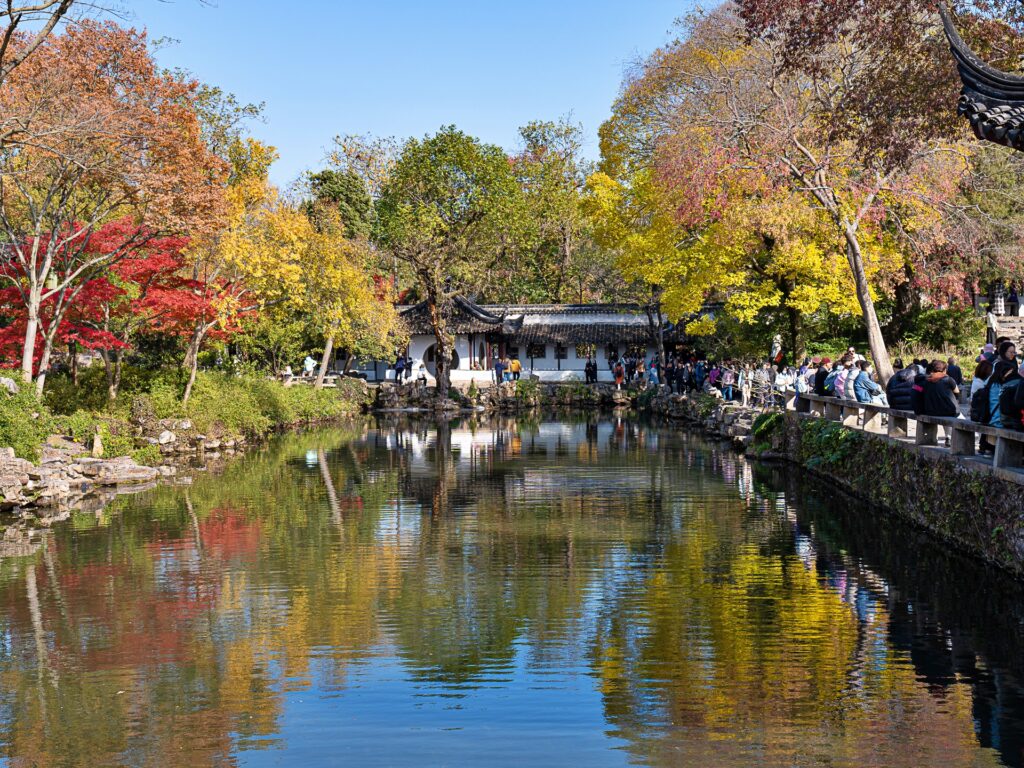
<point>504,591</point>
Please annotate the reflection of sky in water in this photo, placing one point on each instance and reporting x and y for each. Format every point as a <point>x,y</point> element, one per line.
<point>584,594</point>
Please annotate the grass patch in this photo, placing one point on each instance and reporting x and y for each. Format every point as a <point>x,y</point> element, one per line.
<point>25,423</point>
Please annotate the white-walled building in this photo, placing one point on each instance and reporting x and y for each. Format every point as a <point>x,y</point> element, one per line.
<point>551,341</point>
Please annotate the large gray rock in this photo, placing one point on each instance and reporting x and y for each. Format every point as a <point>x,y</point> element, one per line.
<point>166,437</point>
<point>125,474</point>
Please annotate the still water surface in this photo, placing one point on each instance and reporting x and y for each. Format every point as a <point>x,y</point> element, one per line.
<point>596,594</point>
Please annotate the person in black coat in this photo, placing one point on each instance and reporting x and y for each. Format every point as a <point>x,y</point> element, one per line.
<point>819,378</point>
<point>900,389</point>
<point>954,372</point>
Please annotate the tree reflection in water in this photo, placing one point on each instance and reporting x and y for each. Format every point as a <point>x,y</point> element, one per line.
<point>503,592</point>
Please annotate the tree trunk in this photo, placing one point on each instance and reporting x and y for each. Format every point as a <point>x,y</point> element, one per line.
<point>794,334</point>
<point>28,352</point>
<point>907,303</point>
<point>658,331</point>
<point>875,340</point>
<point>324,362</point>
<point>192,359</point>
<point>118,367</point>
<point>108,369</point>
<point>44,364</point>
<point>73,355</point>
<point>443,352</point>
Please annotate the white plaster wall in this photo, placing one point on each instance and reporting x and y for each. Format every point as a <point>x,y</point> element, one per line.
<point>462,347</point>
<point>418,346</point>
<point>546,369</point>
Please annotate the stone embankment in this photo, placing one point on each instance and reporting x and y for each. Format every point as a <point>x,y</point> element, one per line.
<point>727,421</point>
<point>65,477</point>
<point>509,397</point>
<point>178,438</point>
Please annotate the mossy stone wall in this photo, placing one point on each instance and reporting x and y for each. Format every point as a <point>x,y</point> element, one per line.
<point>965,504</point>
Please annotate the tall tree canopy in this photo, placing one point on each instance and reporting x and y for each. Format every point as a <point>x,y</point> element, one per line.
<point>342,195</point>
<point>38,19</point>
<point>731,122</point>
<point>104,135</point>
<point>446,210</point>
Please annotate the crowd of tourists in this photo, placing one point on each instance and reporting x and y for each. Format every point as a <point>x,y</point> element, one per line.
<point>938,387</point>
<point>685,373</point>
<point>932,388</point>
<point>996,394</point>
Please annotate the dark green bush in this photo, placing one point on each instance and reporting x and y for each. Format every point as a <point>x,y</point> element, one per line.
<point>940,329</point>
<point>825,443</point>
<point>766,425</point>
<point>646,397</point>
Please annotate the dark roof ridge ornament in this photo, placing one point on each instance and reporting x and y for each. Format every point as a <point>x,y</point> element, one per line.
<point>477,312</point>
<point>991,100</point>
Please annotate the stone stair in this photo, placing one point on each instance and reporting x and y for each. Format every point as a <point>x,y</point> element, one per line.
<point>1013,327</point>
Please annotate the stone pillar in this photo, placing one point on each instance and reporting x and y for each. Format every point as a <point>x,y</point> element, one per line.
<point>1008,453</point>
<point>961,442</point>
<point>898,426</point>
<point>927,434</point>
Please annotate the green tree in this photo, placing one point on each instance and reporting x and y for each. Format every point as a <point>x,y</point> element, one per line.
<point>346,193</point>
<point>445,211</point>
<point>555,259</point>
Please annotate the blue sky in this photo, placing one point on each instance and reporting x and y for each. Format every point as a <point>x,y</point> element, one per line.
<point>406,67</point>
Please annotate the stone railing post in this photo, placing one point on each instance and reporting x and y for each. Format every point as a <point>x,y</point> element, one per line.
<point>1008,453</point>
<point>834,411</point>
<point>851,415</point>
<point>927,434</point>
<point>898,426</point>
<point>873,421</point>
<point>961,442</point>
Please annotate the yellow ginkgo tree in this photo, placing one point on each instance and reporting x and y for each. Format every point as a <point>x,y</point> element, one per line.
<point>253,260</point>
<point>341,298</point>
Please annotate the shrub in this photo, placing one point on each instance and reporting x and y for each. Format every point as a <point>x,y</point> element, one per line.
<point>222,404</point>
<point>63,397</point>
<point>147,455</point>
<point>646,397</point>
<point>706,404</point>
<point>116,433</point>
<point>528,390</point>
<point>25,423</point>
<point>825,443</point>
<point>253,405</point>
<point>946,329</point>
<point>766,425</point>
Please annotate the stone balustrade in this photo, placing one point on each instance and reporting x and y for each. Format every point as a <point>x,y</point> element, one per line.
<point>908,427</point>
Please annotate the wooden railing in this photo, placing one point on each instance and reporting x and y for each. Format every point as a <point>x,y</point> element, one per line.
<point>906,426</point>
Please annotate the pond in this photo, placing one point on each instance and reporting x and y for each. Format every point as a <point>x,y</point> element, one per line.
<point>600,593</point>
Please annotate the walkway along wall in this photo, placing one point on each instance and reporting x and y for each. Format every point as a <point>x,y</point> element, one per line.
<point>976,508</point>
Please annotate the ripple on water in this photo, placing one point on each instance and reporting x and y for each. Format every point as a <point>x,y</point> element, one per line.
<point>602,593</point>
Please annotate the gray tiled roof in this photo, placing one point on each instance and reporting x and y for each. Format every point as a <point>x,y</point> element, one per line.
<point>993,101</point>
